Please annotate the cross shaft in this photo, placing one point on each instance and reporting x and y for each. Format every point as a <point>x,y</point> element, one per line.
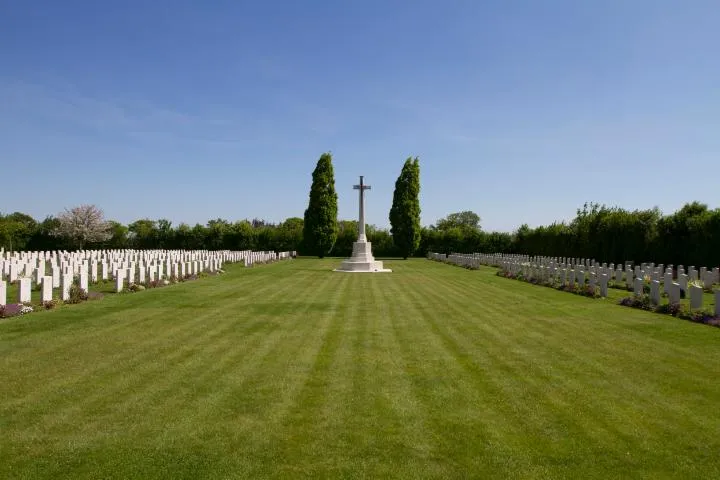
<point>361,220</point>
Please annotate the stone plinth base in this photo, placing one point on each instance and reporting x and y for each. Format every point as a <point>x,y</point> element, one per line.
<point>362,261</point>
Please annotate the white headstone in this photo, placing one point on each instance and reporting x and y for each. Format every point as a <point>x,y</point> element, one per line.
<point>47,288</point>
<point>683,281</point>
<point>638,286</point>
<point>604,285</point>
<point>3,293</point>
<point>696,297</point>
<point>24,290</point>
<point>119,281</point>
<point>674,293</point>
<point>13,273</point>
<point>84,280</point>
<point>655,292</point>
<point>66,283</point>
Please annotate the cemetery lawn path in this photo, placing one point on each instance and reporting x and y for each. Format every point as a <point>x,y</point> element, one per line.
<point>293,371</point>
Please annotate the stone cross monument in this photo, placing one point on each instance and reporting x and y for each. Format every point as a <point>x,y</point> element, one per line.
<point>361,221</point>
<point>362,259</point>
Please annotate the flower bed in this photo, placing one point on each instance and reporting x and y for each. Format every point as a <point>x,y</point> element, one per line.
<point>643,302</point>
<point>584,290</point>
<point>79,295</point>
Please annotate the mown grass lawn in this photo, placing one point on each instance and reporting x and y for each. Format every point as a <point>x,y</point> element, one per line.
<point>293,371</point>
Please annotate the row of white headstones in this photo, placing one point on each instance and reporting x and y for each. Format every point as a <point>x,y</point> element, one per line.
<point>59,269</point>
<point>581,271</point>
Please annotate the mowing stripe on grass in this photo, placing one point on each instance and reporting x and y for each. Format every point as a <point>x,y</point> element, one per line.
<point>291,370</point>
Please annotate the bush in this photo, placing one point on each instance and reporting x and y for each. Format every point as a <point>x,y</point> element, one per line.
<point>589,291</point>
<point>157,283</point>
<point>637,301</point>
<point>585,289</point>
<point>77,294</point>
<point>668,308</point>
<point>50,304</point>
<point>676,310</point>
<point>134,287</point>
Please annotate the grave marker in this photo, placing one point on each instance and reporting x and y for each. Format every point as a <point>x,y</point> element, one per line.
<point>24,290</point>
<point>638,286</point>
<point>47,288</point>
<point>655,292</point>
<point>674,293</point>
<point>696,297</point>
<point>66,281</point>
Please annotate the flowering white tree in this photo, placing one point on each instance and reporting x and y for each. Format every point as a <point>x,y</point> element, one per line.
<point>82,225</point>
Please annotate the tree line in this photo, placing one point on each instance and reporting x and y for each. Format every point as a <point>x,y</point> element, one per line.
<point>690,236</point>
<point>318,233</point>
<point>19,231</point>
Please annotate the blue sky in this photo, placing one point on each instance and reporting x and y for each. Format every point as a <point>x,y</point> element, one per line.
<point>519,111</point>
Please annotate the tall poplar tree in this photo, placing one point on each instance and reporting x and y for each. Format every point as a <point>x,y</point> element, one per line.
<point>320,226</point>
<point>405,211</point>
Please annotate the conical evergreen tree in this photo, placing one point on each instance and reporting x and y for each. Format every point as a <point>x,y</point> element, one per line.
<point>405,211</point>
<point>320,228</point>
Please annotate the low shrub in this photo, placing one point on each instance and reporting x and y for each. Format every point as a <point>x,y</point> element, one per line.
<point>584,290</point>
<point>76,294</point>
<point>135,287</point>
<point>637,301</point>
<point>50,304</point>
<point>588,291</point>
<point>675,309</point>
